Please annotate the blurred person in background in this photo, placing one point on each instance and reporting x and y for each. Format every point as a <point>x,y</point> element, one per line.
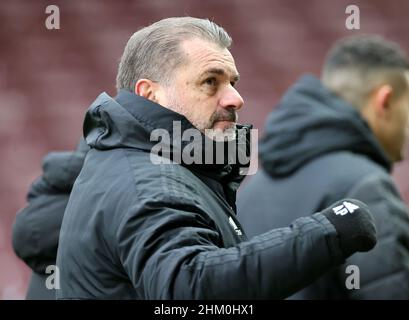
<point>338,137</point>
<point>133,229</point>
<point>37,227</point>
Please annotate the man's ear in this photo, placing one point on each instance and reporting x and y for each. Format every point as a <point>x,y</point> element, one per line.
<point>382,99</point>
<point>146,88</point>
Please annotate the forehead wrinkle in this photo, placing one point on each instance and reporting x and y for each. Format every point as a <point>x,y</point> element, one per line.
<point>221,67</point>
<point>206,58</point>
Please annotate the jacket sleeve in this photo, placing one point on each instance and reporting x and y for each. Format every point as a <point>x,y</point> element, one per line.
<point>383,271</point>
<point>37,226</point>
<point>177,253</point>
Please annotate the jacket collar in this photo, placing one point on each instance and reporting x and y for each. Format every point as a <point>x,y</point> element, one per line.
<point>128,121</point>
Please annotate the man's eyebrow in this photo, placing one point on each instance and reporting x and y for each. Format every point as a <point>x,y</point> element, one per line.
<point>221,72</point>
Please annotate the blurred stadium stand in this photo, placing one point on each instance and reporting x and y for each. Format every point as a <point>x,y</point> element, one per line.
<point>49,77</point>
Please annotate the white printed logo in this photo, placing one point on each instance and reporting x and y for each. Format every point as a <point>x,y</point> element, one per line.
<point>235,227</point>
<point>346,207</point>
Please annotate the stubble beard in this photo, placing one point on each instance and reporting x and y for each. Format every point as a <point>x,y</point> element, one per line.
<point>206,126</point>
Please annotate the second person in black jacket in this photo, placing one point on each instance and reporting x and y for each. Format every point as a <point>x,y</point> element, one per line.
<point>338,138</point>
<point>37,226</point>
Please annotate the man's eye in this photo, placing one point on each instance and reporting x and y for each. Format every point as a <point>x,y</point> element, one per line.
<point>211,81</point>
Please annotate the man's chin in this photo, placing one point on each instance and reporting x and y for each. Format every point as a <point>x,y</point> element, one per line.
<point>224,125</point>
<point>222,131</point>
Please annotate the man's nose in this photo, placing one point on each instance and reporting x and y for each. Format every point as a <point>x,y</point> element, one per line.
<point>231,98</point>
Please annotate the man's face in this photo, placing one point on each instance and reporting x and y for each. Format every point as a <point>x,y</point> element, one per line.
<point>396,130</point>
<point>203,90</point>
<point>399,127</point>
